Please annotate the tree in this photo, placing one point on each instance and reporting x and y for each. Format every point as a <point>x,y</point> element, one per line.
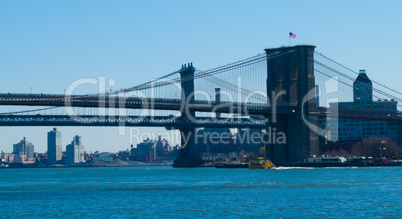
<point>372,147</point>
<point>369,147</point>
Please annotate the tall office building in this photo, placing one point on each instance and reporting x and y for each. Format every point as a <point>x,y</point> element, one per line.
<point>24,147</point>
<point>54,151</point>
<point>357,129</point>
<point>75,151</point>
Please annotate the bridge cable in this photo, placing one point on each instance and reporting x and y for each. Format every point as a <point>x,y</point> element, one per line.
<point>147,85</point>
<point>357,73</point>
<point>329,76</point>
<point>352,79</point>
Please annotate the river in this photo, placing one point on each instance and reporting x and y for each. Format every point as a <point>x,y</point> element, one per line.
<point>162,191</point>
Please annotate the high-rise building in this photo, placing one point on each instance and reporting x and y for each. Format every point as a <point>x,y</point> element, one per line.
<point>162,148</point>
<point>54,150</point>
<point>357,129</point>
<point>24,147</point>
<point>362,89</point>
<point>75,151</point>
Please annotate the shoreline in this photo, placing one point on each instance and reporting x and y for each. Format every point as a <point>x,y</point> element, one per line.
<point>312,165</point>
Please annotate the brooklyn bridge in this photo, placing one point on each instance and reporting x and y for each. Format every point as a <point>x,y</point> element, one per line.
<point>293,89</point>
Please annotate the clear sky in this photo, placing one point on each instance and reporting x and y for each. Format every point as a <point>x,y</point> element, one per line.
<point>47,45</point>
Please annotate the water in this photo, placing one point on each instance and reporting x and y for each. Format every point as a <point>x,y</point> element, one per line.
<point>201,192</point>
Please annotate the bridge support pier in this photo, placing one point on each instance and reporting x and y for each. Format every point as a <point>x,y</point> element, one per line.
<point>189,155</point>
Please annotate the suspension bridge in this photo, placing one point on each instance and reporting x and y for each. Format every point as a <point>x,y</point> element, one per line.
<point>288,88</point>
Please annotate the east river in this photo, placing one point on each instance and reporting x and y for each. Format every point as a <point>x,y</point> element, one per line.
<point>154,192</point>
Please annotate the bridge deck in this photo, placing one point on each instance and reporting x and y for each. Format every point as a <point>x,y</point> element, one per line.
<point>197,105</point>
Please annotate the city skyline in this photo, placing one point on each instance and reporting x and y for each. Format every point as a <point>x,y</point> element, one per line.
<point>131,46</point>
<point>66,140</point>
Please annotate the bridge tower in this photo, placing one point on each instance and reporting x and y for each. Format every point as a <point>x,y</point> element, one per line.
<point>291,71</point>
<point>189,155</point>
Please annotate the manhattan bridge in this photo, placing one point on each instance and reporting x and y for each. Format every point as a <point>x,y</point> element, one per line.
<point>288,88</point>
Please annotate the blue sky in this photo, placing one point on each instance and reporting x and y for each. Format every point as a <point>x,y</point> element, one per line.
<point>47,45</point>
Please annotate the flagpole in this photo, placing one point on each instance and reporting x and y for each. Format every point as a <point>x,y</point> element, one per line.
<point>291,35</point>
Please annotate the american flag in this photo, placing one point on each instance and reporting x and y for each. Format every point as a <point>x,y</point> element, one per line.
<point>292,35</point>
<point>383,142</point>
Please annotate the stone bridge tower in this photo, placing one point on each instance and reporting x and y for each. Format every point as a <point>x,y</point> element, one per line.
<point>290,78</point>
<point>189,154</point>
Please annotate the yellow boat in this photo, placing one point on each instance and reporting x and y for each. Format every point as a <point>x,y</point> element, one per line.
<point>260,163</point>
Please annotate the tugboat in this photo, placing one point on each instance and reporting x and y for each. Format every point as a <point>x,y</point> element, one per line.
<point>260,163</point>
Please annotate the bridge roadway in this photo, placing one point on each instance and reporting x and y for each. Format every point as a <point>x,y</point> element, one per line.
<point>140,103</point>
<point>197,105</point>
<point>154,121</point>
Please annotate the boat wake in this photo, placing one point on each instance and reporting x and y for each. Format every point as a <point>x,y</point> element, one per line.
<point>293,168</point>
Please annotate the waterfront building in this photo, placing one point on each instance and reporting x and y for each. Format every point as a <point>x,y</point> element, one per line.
<point>54,147</point>
<point>75,152</point>
<point>162,148</point>
<point>356,129</point>
<point>10,158</point>
<point>24,147</point>
<point>133,153</point>
<point>104,156</point>
<point>7,158</point>
<point>146,151</point>
<point>20,158</point>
